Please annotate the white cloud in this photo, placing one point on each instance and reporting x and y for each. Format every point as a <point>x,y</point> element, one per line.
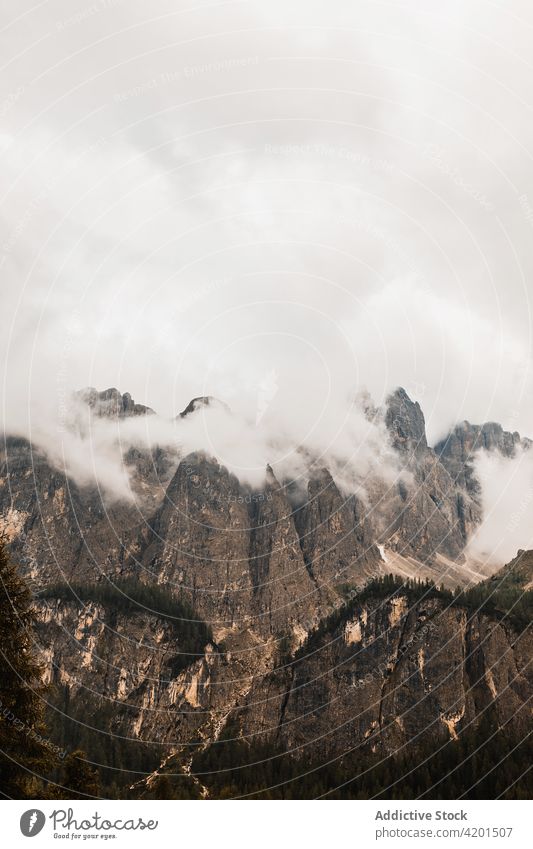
<point>197,197</point>
<point>507,507</point>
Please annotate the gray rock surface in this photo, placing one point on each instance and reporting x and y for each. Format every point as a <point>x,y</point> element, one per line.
<point>263,572</point>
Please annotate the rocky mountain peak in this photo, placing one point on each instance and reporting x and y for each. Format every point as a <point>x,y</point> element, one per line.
<point>249,612</point>
<point>202,402</point>
<point>491,436</point>
<point>457,451</point>
<point>111,403</point>
<point>405,422</point>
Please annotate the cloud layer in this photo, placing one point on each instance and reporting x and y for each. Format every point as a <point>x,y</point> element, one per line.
<point>276,204</point>
<point>507,507</point>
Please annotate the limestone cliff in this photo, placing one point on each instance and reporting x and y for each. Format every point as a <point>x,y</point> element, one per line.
<point>295,645</point>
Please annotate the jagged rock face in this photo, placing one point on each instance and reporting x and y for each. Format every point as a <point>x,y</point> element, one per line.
<point>336,537</point>
<point>427,513</point>
<point>457,452</point>
<point>235,554</point>
<point>61,530</point>
<point>393,674</point>
<point>406,424</point>
<point>57,529</point>
<point>150,469</point>
<point>201,403</point>
<point>263,573</point>
<point>110,403</point>
<point>111,654</point>
<point>286,598</point>
<point>126,660</point>
<point>199,542</point>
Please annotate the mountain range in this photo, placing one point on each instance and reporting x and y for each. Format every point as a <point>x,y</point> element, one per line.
<point>206,623</point>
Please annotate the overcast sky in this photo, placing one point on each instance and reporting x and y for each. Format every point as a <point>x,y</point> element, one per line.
<point>277,203</point>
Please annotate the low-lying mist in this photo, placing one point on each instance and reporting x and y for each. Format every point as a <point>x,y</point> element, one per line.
<point>507,500</point>
<point>93,448</point>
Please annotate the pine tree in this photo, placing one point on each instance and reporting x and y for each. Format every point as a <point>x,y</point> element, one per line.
<point>80,779</point>
<point>25,757</point>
